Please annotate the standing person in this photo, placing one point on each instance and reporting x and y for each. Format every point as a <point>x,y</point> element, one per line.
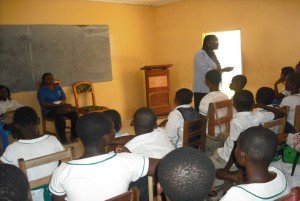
<point>204,61</point>
<point>53,101</point>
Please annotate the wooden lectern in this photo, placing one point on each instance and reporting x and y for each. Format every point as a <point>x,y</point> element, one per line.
<point>158,88</point>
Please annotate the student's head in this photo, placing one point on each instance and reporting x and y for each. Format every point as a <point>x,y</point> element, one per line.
<point>47,79</point>
<point>95,129</point>
<point>265,96</point>
<point>210,42</point>
<point>144,120</point>
<point>13,183</point>
<point>183,96</point>
<point>115,117</point>
<point>238,82</point>
<point>243,100</point>
<point>186,174</point>
<point>213,79</point>
<point>292,82</point>
<point>257,146</point>
<point>4,93</point>
<point>25,117</point>
<point>285,71</point>
<point>297,68</point>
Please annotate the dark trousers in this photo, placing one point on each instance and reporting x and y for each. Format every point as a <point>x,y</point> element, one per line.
<point>60,124</point>
<point>197,99</point>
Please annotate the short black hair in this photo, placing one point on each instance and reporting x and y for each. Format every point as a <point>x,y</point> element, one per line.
<point>259,143</point>
<point>44,77</point>
<point>206,39</point>
<point>243,100</point>
<point>265,95</point>
<point>115,117</point>
<point>184,96</point>
<point>285,71</point>
<point>8,91</point>
<point>92,127</point>
<point>145,118</point>
<point>295,79</point>
<point>186,174</point>
<point>14,184</point>
<point>25,116</point>
<point>241,80</point>
<point>214,77</point>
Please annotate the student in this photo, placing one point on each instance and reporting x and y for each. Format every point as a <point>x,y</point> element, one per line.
<point>213,79</point>
<point>256,148</point>
<point>115,117</point>
<point>97,175</point>
<point>285,71</point>
<point>265,96</point>
<point>238,83</point>
<point>52,99</point>
<point>31,145</point>
<point>13,184</point>
<point>185,174</point>
<point>245,118</point>
<point>183,112</point>
<point>292,84</point>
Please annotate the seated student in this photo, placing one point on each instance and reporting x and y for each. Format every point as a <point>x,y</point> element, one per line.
<point>183,112</point>
<point>13,184</point>
<point>292,84</point>
<point>238,83</point>
<point>285,71</point>
<point>177,183</point>
<point>97,175</point>
<point>31,145</point>
<point>256,148</point>
<point>52,99</point>
<point>297,68</point>
<point>243,101</point>
<point>213,79</point>
<point>115,117</point>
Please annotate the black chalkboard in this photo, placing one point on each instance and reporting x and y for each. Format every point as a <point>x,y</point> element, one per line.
<point>71,53</point>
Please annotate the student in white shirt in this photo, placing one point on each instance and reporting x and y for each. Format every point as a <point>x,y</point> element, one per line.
<point>183,112</point>
<point>31,145</point>
<point>177,183</point>
<point>285,71</point>
<point>238,83</point>
<point>256,148</point>
<point>6,102</point>
<point>115,117</point>
<point>292,84</point>
<point>97,175</point>
<point>213,79</point>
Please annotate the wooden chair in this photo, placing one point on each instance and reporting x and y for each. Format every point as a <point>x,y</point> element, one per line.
<point>66,155</point>
<point>86,88</point>
<point>280,123</point>
<point>194,133</point>
<point>132,195</point>
<point>297,118</point>
<point>294,195</point>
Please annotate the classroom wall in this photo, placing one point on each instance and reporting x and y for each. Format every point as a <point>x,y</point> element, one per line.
<point>131,39</point>
<point>269,32</point>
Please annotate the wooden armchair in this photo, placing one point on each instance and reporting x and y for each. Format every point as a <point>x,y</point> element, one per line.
<point>297,118</point>
<point>276,125</point>
<point>194,134</point>
<point>85,88</point>
<point>132,195</point>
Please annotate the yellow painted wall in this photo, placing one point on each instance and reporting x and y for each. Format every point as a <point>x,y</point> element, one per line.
<point>270,31</point>
<point>131,38</point>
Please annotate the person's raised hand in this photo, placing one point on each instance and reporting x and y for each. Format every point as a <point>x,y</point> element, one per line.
<point>227,69</point>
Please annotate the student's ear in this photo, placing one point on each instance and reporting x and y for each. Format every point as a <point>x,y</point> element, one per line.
<point>159,188</point>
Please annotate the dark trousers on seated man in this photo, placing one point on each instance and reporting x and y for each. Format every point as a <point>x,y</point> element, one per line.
<point>60,124</point>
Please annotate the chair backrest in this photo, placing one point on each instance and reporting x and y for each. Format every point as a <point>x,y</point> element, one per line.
<point>132,195</point>
<point>280,123</point>
<point>294,195</point>
<point>214,121</point>
<point>83,87</point>
<point>66,155</point>
<point>194,133</point>
<point>297,118</point>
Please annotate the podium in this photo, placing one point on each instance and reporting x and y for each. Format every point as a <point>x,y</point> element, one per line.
<point>158,88</point>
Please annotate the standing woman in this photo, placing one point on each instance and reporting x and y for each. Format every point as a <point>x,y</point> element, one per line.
<point>204,61</point>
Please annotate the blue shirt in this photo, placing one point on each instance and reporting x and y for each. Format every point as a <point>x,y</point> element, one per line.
<point>46,95</point>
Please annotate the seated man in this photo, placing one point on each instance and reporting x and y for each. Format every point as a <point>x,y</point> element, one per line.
<point>256,148</point>
<point>98,175</point>
<point>279,95</point>
<point>31,145</point>
<point>115,117</point>
<point>183,112</point>
<point>185,174</point>
<point>238,83</point>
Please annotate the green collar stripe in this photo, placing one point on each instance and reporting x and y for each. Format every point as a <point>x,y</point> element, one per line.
<point>94,162</point>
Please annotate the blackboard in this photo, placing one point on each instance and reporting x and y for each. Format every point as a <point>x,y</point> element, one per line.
<point>70,52</point>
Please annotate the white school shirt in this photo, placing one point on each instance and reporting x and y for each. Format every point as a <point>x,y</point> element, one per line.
<point>240,122</point>
<point>268,191</point>
<point>98,178</point>
<point>153,145</point>
<point>174,126</point>
<point>292,101</point>
<point>214,96</point>
<point>29,149</point>
<point>8,105</point>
